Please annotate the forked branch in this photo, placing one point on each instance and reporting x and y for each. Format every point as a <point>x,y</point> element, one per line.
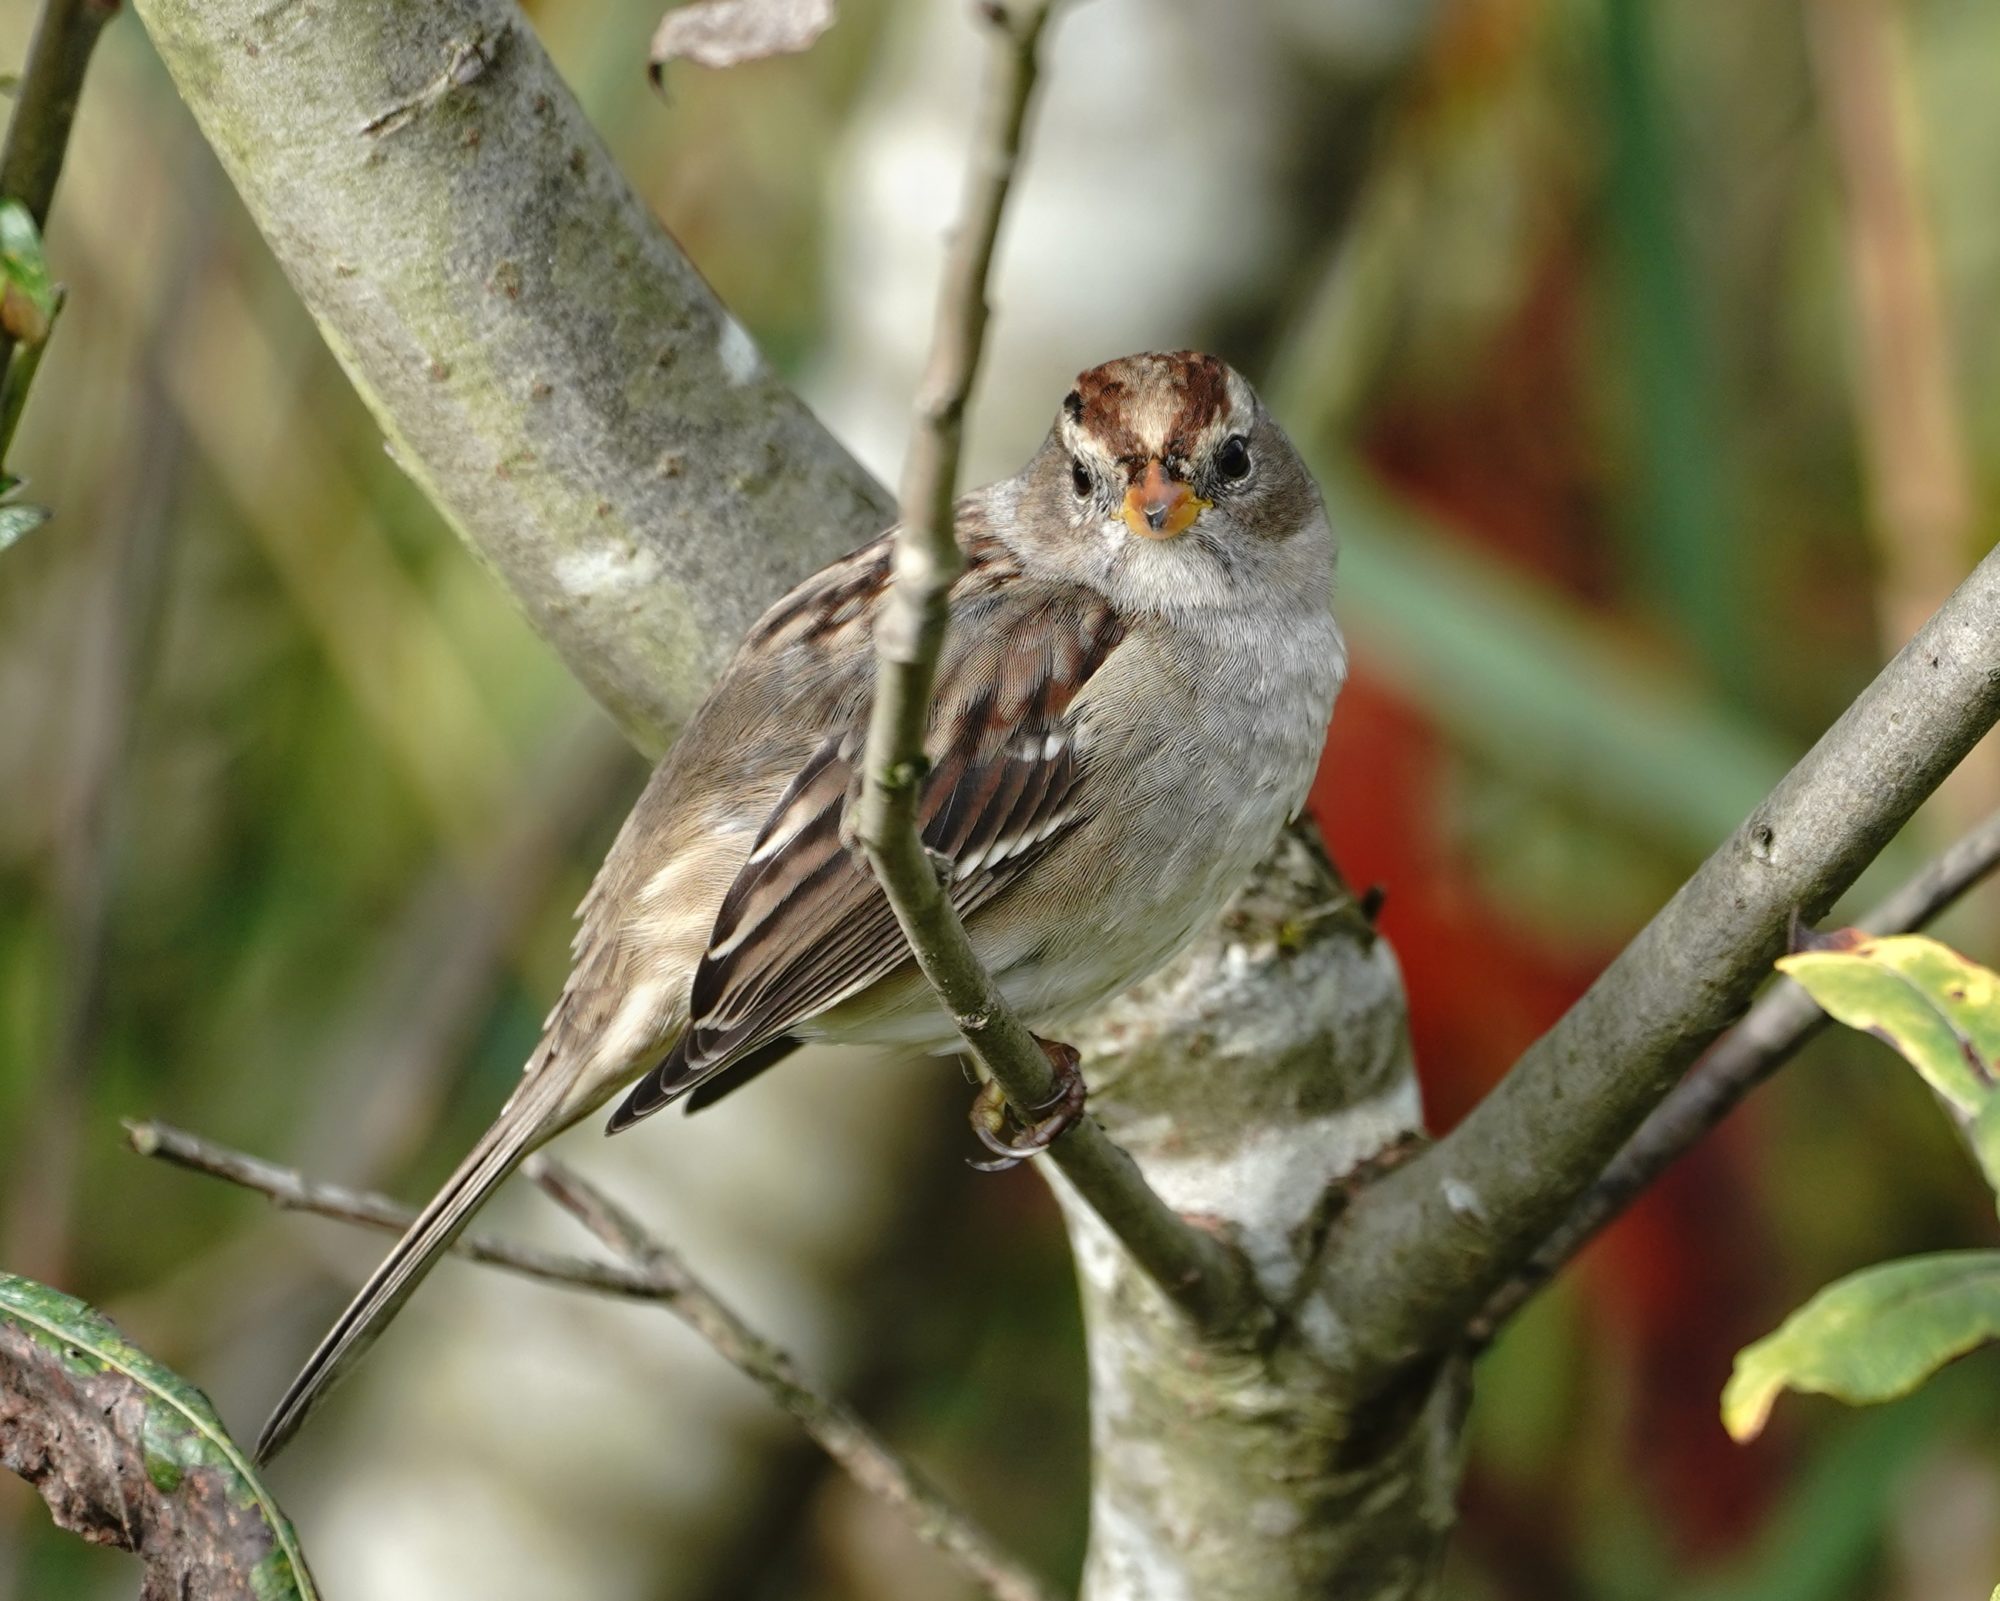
<point>650,1272</point>
<point>1772,1033</point>
<point>1422,1250</point>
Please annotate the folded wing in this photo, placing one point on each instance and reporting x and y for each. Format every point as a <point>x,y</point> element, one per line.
<point>805,926</point>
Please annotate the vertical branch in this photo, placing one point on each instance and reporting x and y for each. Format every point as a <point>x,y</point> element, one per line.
<point>928,559</point>
<point>1198,1272</point>
<point>45,103</point>
<point>45,107</point>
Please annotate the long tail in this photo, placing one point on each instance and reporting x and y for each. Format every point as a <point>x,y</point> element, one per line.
<point>522,1125</point>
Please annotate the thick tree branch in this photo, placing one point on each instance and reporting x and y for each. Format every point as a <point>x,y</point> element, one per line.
<point>1250,1079</point>
<point>547,365</point>
<point>1421,1251</point>
<point>1771,1033</point>
<point>651,1273</point>
<point>1197,1271</point>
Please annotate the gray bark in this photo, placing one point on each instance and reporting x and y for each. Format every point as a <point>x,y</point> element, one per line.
<point>562,384</point>
<point>556,376</point>
<point>1435,1239</point>
<point>543,360</point>
<point>1251,1080</point>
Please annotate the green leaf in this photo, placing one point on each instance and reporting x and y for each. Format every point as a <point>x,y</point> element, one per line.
<point>28,297</point>
<point>17,521</point>
<point>1872,1336</point>
<point>180,1433</point>
<point>1983,1135</point>
<point>1940,1011</point>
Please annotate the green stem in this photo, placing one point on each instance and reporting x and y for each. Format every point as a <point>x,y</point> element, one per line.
<point>37,139</point>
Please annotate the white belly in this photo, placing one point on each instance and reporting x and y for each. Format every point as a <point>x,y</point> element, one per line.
<point>1205,795</point>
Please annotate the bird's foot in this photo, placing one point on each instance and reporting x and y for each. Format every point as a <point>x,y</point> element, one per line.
<point>992,1117</point>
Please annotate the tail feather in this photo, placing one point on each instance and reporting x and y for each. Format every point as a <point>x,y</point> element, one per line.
<point>523,1125</point>
<point>729,1079</point>
<point>665,1084</point>
<point>672,1079</point>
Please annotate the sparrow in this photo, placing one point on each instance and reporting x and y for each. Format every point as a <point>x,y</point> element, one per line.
<point>1130,703</point>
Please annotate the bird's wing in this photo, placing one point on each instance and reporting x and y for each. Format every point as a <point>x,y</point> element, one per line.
<point>804,926</point>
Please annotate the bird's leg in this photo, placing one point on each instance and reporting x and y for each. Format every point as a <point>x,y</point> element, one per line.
<point>988,1118</point>
<point>991,1114</point>
<point>1065,1105</point>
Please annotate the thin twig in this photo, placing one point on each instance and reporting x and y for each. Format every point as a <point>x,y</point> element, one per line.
<point>1421,1251</point>
<point>291,1191</point>
<point>842,1435</point>
<point>1198,1272</point>
<point>1771,1033</point>
<point>45,100</point>
<point>651,1273</point>
<point>45,107</point>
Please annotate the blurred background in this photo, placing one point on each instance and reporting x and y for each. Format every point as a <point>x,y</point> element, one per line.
<point>1647,354</point>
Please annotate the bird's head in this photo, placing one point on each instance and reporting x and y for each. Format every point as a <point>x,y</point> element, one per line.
<point>1165,481</point>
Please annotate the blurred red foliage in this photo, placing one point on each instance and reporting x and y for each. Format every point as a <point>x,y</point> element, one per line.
<point>1490,461</point>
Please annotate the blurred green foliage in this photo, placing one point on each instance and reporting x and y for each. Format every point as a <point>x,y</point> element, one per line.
<point>1579,371</point>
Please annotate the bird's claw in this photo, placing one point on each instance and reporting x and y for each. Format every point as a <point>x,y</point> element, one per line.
<point>991,1115</point>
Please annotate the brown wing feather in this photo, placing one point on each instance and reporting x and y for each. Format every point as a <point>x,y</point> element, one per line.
<point>804,925</point>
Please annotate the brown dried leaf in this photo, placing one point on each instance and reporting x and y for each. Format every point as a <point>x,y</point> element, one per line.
<point>722,33</point>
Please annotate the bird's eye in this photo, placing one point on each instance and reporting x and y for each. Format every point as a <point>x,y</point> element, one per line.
<point>1232,461</point>
<point>1080,479</point>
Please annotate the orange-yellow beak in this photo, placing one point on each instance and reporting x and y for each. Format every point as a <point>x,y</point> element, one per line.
<point>1159,506</point>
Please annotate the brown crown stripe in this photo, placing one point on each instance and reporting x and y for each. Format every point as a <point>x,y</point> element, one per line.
<point>1204,397</point>
<point>1101,402</point>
